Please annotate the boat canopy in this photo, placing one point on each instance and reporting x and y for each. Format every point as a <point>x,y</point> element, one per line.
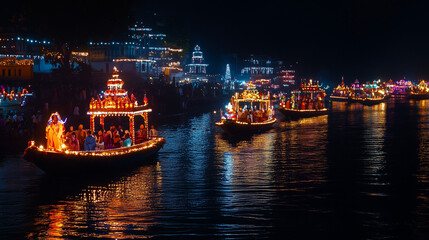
<point>117,103</point>
<point>251,95</point>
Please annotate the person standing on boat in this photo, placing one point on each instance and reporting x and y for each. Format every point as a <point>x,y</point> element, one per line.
<point>55,132</point>
<point>81,135</point>
<point>68,135</point>
<point>108,142</point>
<point>99,141</point>
<point>153,133</point>
<point>89,142</point>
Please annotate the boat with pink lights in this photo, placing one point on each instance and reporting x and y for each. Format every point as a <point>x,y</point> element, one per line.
<point>399,89</point>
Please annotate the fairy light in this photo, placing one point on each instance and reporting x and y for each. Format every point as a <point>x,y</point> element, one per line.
<point>154,142</point>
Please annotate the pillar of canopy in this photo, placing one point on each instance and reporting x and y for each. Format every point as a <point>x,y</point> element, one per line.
<point>129,112</point>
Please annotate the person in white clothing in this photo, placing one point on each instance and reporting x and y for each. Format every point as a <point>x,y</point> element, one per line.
<point>153,133</point>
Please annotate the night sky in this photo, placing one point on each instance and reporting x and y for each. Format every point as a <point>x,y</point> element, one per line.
<point>357,39</point>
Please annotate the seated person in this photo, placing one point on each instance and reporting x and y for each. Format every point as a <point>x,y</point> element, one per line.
<point>141,135</point>
<point>127,141</point>
<point>73,143</point>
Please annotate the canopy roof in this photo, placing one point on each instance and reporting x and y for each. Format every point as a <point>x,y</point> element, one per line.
<point>251,94</point>
<point>116,101</point>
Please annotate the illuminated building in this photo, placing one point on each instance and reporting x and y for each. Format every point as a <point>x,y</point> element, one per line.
<point>287,77</point>
<point>144,52</point>
<point>12,68</point>
<point>197,70</point>
<point>197,66</point>
<point>262,67</point>
<point>257,68</point>
<point>24,47</point>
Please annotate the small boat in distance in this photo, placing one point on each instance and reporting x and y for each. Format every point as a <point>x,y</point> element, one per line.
<point>248,112</point>
<point>419,92</point>
<point>309,101</point>
<point>341,93</point>
<point>58,159</point>
<point>367,94</point>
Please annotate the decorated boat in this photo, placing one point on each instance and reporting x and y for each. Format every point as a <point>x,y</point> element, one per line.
<point>308,101</point>
<point>248,112</point>
<point>420,91</point>
<point>56,158</point>
<point>341,93</point>
<point>399,89</point>
<point>12,98</point>
<point>367,94</point>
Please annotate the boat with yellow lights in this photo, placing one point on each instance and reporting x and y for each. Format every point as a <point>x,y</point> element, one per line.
<point>59,159</point>
<point>308,101</point>
<point>419,92</point>
<point>341,93</point>
<point>248,112</point>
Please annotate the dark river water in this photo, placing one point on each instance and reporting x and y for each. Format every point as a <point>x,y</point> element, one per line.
<point>358,173</point>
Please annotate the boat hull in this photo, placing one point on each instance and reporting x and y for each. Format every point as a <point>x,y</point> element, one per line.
<point>231,126</point>
<point>92,161</point>
<point>370,102</point>
<point>338,99</point>
<point>367,101</point>
<point>418,96</point>
<point>296,114</point>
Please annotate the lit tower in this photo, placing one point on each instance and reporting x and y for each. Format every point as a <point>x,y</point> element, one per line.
<point>197,66</point>
<point>227,74</point>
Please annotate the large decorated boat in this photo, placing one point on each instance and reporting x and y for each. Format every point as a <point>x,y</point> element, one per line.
<point>305,102</point>
<point>60,159</point>
<point>367,94</point>
<point>248,112</point>
<point>419,92</point>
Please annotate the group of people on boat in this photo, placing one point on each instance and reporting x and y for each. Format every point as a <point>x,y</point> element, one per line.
<point>85,140</point>
<point>305,103</point>
<point>252,114</point>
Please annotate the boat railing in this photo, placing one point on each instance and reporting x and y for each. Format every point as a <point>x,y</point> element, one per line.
<point>136,147</point>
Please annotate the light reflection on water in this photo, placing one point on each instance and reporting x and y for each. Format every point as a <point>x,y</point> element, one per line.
<point>107,210</point>
<point>360,171</point>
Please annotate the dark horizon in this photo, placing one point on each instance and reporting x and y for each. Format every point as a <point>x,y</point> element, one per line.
<point>355,39</point>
